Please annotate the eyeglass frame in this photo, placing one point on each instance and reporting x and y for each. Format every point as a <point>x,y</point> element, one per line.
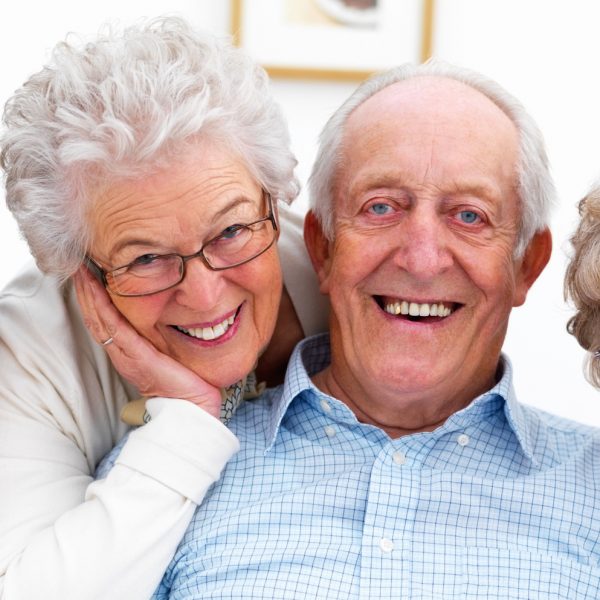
<point>100,274</point>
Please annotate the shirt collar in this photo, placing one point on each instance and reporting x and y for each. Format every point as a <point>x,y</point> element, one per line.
<point>313,354</point>
<point>525,427</point>
<point>501,396</point>
<point>310,356</point>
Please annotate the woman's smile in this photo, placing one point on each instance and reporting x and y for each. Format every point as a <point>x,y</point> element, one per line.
<point>217,332</point>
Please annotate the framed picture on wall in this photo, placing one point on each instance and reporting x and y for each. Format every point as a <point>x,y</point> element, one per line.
<point>333,39</point>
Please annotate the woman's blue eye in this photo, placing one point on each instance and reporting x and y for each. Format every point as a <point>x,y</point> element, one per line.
<point>146,259</point>
<point>468,216</point>
<point>231,232</point>
<point>380,208</point>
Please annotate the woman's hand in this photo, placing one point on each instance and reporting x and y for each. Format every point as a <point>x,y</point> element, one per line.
<point>134,357</point>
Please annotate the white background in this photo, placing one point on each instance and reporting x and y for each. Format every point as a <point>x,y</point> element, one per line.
<point>546,52</point>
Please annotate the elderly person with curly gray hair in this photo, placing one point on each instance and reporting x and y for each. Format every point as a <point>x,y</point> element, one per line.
<point>145,170</point>
<point>582,283</point>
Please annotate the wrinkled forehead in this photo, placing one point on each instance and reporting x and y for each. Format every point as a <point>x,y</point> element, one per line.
<point>431,98</point>
<point>430,126</point>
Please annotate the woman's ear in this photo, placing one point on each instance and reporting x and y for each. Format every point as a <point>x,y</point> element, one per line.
<point>319,249</point>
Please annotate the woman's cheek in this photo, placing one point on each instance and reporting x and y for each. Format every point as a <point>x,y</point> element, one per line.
<point>144,313</point>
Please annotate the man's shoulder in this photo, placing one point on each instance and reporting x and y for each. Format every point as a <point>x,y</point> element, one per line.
<point>562,425</point>
<point>251,420</point>
<point>561,437</point>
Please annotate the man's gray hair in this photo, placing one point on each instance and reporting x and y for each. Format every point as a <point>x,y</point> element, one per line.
<point>120,107</point>
<point>535,186</point>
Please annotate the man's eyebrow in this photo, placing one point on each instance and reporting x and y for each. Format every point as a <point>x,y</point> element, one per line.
<point>378,180</point>
<point>484,190</point>
<point>399,181</point>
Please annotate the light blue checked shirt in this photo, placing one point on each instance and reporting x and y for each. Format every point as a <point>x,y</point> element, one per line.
<point>502,501</point>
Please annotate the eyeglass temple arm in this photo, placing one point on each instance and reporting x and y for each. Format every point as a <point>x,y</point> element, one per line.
<point>95,270</point>
<point>272,213</point>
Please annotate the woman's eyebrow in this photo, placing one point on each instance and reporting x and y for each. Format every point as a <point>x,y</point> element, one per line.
<point>232,204</point>
<point>147,242</point>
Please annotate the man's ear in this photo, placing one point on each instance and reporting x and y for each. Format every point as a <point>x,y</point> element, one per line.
<point>532,263</point>
<point>319,249</point>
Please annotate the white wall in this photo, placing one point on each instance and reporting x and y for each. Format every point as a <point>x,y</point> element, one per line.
<point>546,52</point>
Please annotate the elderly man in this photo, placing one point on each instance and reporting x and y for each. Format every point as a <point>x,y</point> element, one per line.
<point>395,461</point>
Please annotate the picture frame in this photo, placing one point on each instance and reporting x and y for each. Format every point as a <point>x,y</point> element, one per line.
<point>324,39</point>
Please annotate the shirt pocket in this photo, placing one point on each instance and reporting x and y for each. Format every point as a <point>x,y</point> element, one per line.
<point>494,573</point>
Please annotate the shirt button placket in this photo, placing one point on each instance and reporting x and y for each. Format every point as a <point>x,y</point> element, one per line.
<point>386,545</point>
<point>325,406</point>
<point>399,457</point>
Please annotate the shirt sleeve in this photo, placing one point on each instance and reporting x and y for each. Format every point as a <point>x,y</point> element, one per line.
<point>299,277</point>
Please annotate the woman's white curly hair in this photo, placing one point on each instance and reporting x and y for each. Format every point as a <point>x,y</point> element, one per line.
<point>130,102</point>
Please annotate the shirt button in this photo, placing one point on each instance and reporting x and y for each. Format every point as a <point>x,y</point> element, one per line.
<point>462,439</point>
<point>325,406</point>
<point>329,431</point>
<point>386,545</point>
<point>398,457</point>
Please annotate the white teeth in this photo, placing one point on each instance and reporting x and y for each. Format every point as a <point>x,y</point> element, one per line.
<point>414,309</point>
<point>209,333</point>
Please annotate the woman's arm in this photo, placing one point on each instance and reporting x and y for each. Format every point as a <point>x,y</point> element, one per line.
<point>62,535</point>
<point>119,541</point>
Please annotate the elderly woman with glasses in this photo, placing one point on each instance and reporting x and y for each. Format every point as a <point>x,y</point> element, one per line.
<point>145,170</point>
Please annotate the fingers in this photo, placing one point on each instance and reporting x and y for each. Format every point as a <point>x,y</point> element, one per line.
<point>105,322</point>
<point>99,314</point>
<point>129,352</point>
<point>135,357</point>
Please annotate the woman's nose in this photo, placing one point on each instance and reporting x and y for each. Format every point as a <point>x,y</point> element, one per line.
<point>201,287</point>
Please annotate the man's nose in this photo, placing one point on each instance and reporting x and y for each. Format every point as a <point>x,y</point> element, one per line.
<point>201,287</point>
<point>423,248</point>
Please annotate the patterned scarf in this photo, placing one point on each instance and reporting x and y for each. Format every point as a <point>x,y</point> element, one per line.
<point>134,413</point>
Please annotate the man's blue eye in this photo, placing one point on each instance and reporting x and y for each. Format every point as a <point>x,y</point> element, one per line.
<point>380,208</point>
<point>468,216</point>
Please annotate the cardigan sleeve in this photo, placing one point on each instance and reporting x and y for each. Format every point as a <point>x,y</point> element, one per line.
<point>62,535</point>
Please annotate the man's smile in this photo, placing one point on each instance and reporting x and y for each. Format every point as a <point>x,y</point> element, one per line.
<point>415,310</point>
